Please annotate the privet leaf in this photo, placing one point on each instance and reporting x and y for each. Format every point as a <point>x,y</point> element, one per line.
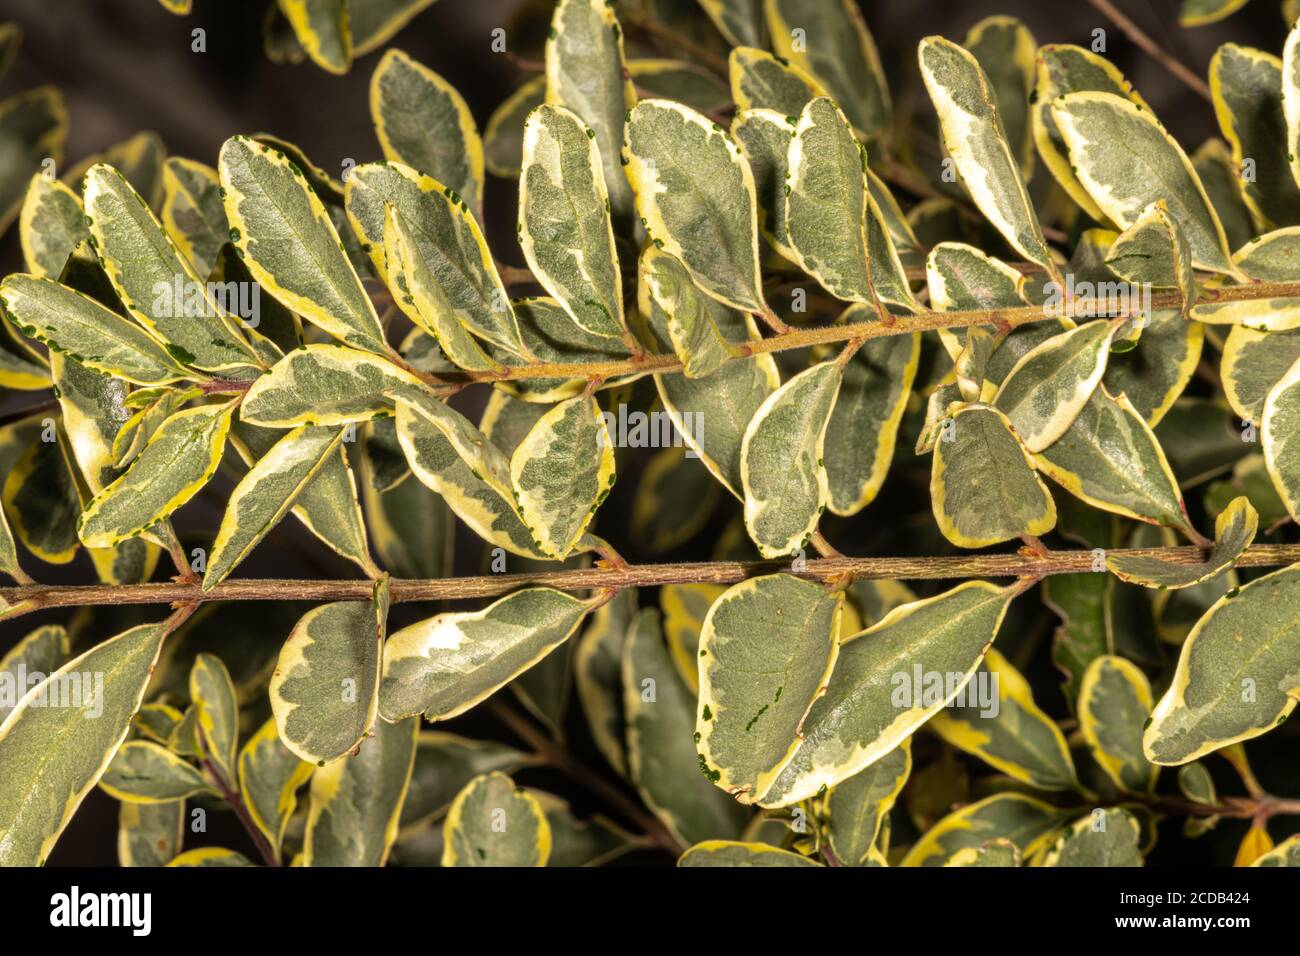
<point>1004,49</point>
<point>494,823</point>
<point>356,802</point>
<point>597,668</point>
<point>1234,530</point>
<point>324,385</point>
<point>868,709</point>
<point>561,472</point>
<point>760,80</point>
<point>662,761</point>
<point>1114,701</point>
<point>856,809</point>
<point>1238,673</point>
<point>766,651</point>
<point>210,856</point>
<point>974,136</point>
<point>731,853</point>
<point>42,652</point>
<point>1025,821</point>
<point>1111,839</point>
<point>826,202</point>
<point>86,332</point>
<point>445,665</point>
<point>52,223</point>
<point>325,688</point>
<point>291,246</point>
<point>983,488</point>
<point>1154,374</point>
<point>444,765</point>
<point>1009,732</point>
<point>764,136</point>
<point>53,755</point>
<point>503,137</point>
<point>739,21</point>
<point>837,49</point>
<point>41,499</point>
<point>586,75</point>
<point>694,321</point>
<point>33,128</point>
<point>216,712</point>
<point>781,463</point>
<point>323,29</point>
<point>423,122</point>
<point>193,213</point>
<point>144,772</point>
<point>1048,388</point>
<point>1150,166</point>
<point>1286,853</point>
<point>181,457</point>
<point>269,777</point>
<point>695,193</point>
<point>1153,251</point>
<point>1278,424</point>
<point>149,834</point>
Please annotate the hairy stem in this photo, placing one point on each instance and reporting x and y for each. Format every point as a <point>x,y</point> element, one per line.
<point>1027,567</point>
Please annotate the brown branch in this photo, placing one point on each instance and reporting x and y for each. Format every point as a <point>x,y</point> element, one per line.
<point>824,335</point>
<point>1153,49</point>
<point>826,570</point>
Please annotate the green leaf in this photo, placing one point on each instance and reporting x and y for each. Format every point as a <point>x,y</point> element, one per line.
<point>325,688</point>
<point>730,853</point>
<point>445,665</point>
<point>1126,161</point>
<point>42,652</point>
<point>1197,13</point>
<point>675,500</point>
<point>586,74</point>
<point>693,320</point>
<point>597,668</point>
<point>1114,701</point>
<point>267,493</point>
<point>1248,101</point>
<point>322,27</point>
<point>269,777</point>
<point>564,221</point>
<point>86,332</point>
<point>826,202</point>
<point>193,213</point>
<point>494,823</point>
<point>760,80</point>
<point>1213,163</point>
<point>149,834</point>
<point>139,158</point>
<point>181,457</point>
<point>1278,424</point>
<point>871,704</point>
<point>574,842</point>
<point>863,430</point>
<point>210,856</point>
<point>324,385</point>
<point>1026,822</point>
<point>1064,68</point>
<point>53,756</point>
<point>998,721</point>
<point>444,765</point>
<point>857,808</point>
<point>662,762</point>
<point>1154,252</point>
<point>1050,384</point>
<point>836,48</point>
<point>462,278</point>
<point>52,223</point>
<point>356,802</point>
<point>1196,784</point>
<point>781,464</point>
<point>961,278</point>
<point>689,83</point>
<point>1154,374</point>
<point>1286,853</point>
<point>328,505</point>
<point>764,136</point>
<point>996,852</point>
<point>1004,49</point>
<point>975,138</point>
<point>41,498</point>
<point>144,772</point>
<point>1234,530</point>
<point>561,472</point>
<point>158,287</point>
<point>449,455</point>
<point>1238,673</point>
<point>93,409</point>
<point>216,712</point>
<point>695,193</point>
<point>33,128</point>
<point>1106,838</point>
<point>983,487</point>
<point>290,245</point>
<point>423,122</point>
<point>1111,459</point>
<point>767,649</point>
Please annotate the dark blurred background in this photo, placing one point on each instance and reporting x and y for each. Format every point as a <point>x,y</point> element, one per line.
<point>127,65</point>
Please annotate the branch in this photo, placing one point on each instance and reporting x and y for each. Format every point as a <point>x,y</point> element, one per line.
<point>1153,49</point>
<point>901,324</point>
<point>826,570</point>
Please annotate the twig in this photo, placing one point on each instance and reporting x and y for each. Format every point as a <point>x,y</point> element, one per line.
<point>231,795</point>
<point>1026,567</point>
<point>660,31</point>
<point>1153,49</point>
